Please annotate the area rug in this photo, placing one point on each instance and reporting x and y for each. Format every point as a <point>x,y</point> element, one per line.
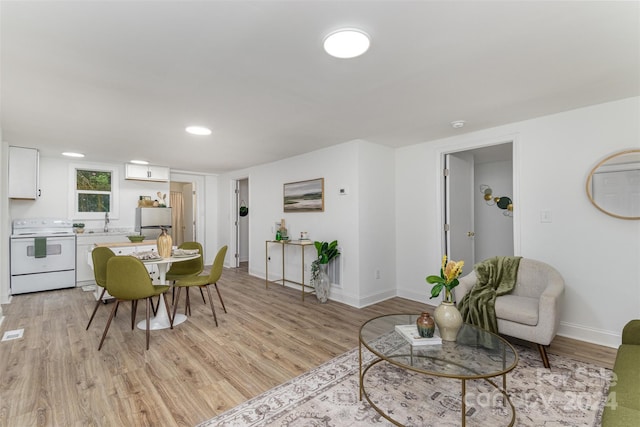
<point>571,393</point>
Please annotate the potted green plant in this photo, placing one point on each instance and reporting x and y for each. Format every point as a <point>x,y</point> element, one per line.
<point>319,278</point>
<point>78,227</point>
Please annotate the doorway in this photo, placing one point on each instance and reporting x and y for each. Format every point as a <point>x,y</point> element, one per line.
<point>182,202</point>
<point>242,224</point>
<point>477,184</point>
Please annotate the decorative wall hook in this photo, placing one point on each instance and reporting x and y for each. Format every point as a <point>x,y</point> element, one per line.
<point>502,202</point>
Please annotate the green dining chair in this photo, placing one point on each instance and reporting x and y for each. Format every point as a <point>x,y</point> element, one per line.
<point>100,256</point>
<point>184,269</point>
<point>128,280</point>
<point>203,282</point>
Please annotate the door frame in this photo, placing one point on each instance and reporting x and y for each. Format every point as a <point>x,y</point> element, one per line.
<point>468,145</point>
<point>235,219</point>
<point>197,182</point>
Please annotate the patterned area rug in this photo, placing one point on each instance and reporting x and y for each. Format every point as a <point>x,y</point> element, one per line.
<point>571,393</point>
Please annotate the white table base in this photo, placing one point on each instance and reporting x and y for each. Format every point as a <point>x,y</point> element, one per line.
<point>161,319</point>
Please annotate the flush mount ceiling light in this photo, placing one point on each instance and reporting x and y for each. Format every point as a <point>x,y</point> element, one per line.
<point>139,162</point>
<point>198,130</point>
<point>71,154</point>
<point>457,124</point>
<point>346,43</point>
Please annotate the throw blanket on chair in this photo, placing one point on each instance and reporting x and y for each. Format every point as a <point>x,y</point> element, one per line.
<point>494,277</point>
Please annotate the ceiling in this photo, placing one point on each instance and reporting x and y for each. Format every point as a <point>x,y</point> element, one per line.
<point>120,80</point>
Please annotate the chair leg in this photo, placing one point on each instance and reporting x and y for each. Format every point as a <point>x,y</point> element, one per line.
<point>543,355</point>
<point>203,300</point>
<point>166,305</point>
<point>213,310</point>
<point>106,328</point>
<point>175,304</point>
<point>149,301</point>
<point>155,307</point>
<point>187,306</point>
<point>134,310</point>
<point>220,296</point>
<point>96,308</point>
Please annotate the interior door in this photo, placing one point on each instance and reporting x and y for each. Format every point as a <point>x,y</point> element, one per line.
<point>459,211</point>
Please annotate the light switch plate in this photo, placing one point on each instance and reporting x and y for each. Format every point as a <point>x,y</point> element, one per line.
<point>545,216</point>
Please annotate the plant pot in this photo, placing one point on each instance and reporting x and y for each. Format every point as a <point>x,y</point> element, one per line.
<point>448,319</point>
<point>322,284</point>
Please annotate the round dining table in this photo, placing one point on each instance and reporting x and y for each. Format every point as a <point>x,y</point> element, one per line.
<point>161,319</point>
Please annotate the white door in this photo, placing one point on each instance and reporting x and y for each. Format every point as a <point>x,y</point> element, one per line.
<point>459,211</point>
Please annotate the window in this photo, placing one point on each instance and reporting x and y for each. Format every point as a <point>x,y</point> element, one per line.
<point>95,191</point>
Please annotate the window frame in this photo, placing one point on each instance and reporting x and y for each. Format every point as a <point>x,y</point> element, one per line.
<point>114,194</point>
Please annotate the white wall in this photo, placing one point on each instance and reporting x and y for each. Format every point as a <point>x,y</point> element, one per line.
<point>598,255</point>
<point>5,224</point>
<point>57,189</point>
<point>362,221</point>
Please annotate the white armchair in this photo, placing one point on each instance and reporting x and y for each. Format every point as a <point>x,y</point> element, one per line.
<point>532,310</point>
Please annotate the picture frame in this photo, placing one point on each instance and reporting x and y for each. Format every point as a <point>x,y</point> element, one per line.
<point>304,196</point>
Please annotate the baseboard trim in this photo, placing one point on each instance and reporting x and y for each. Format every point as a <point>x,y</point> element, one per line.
<point>591,335</point>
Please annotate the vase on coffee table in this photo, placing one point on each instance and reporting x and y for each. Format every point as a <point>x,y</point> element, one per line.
<point>448,319</point>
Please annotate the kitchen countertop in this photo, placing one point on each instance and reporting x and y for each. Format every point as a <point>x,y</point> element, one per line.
<point>127,243</point>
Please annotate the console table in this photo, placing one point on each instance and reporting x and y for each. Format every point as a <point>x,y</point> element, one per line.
<point>283,243</point>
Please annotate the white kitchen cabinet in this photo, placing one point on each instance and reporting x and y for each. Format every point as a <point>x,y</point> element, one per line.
<point>24,164</point>
<point>146,172</point>
<point>85,243</point>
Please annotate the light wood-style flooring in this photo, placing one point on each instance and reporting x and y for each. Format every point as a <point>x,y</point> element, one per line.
<point>55,376</point>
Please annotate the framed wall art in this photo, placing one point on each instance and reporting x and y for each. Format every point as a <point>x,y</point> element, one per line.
<point>304,196</point>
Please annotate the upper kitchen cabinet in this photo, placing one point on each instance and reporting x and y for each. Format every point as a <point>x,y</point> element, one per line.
<point>24,166</point>
<point>146,173</point>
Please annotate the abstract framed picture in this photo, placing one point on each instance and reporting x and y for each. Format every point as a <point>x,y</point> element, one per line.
<point>304,196</point>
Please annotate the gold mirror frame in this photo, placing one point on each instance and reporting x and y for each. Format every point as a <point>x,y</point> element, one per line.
<point>590,178</point>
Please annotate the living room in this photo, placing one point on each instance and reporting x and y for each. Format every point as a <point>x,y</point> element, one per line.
<point>391,219</point>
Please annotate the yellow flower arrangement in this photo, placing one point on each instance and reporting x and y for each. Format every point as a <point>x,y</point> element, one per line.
<point>448,279</point>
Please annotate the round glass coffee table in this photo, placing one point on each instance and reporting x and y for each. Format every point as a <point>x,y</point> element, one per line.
<point>476,354</point>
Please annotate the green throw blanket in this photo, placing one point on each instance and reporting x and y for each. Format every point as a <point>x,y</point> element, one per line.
<point>494,277</point>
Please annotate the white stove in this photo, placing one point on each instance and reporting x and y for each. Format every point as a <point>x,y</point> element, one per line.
<point>43,255</point>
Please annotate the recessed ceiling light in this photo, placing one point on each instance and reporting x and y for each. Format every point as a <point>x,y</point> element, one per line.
<point>198,130</point>
<point>139,162</point>
<point>457,124</point>
<point>346,43</point>
<point>70,154</point>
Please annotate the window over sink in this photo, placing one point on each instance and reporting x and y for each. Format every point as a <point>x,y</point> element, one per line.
<point>95,191</point>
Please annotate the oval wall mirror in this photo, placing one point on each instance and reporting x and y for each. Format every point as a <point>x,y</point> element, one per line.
<point>613,185</point>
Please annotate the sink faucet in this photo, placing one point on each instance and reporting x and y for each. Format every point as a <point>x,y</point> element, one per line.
<point>106,222</point>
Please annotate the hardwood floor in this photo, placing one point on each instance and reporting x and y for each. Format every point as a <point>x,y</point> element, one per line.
<point>55,376</point>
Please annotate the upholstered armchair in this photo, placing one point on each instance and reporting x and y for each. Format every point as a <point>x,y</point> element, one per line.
<point>531,311</point>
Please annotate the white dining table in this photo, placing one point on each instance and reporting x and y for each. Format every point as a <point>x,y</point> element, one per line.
<point>161,319</point>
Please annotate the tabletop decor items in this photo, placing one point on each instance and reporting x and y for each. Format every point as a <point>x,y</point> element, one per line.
<point>319,277</point>
<point>446,315</point>
<point>164,243</point>
<point>426,325</point>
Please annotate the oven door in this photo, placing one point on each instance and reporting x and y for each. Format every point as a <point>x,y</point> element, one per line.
<point>60,255</point>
